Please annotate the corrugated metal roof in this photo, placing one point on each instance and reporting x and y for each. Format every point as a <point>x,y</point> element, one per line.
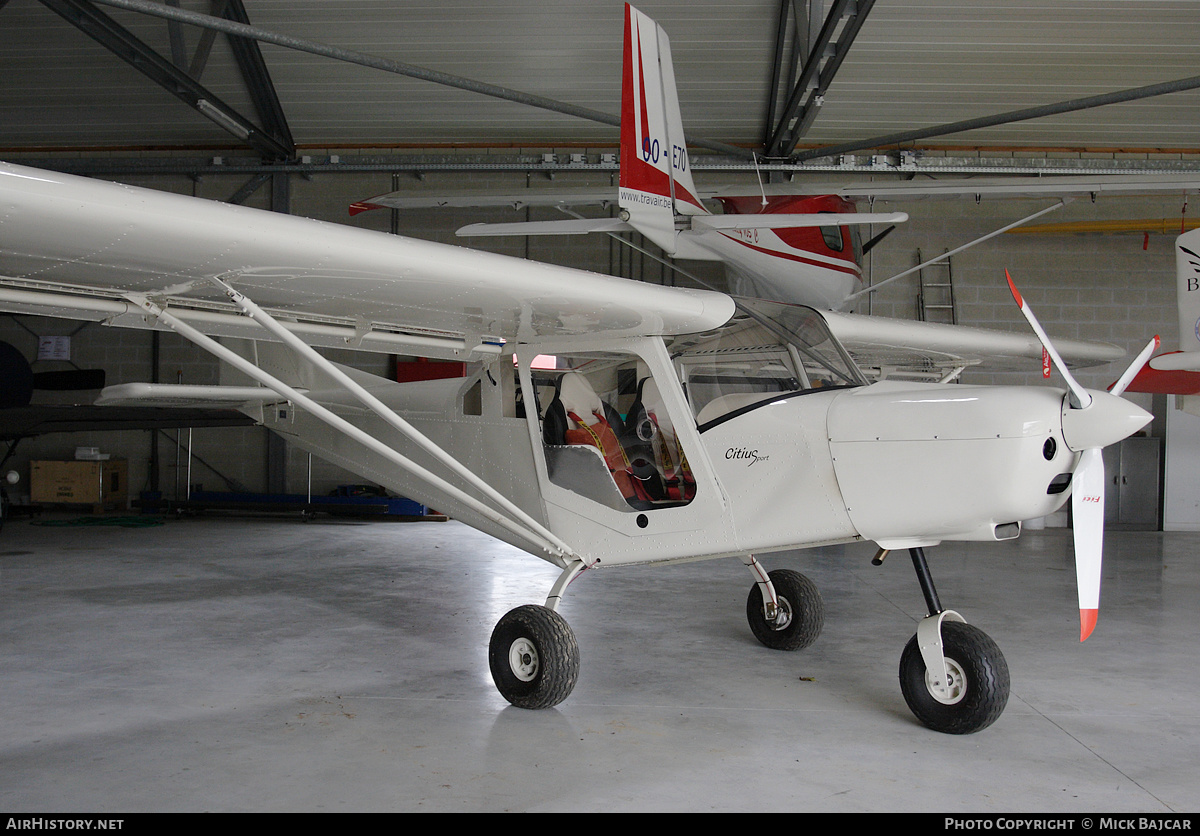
<point>915,63</point>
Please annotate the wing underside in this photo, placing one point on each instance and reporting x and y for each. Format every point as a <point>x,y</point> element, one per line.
<point>927,350</point>
<point>82,249</point>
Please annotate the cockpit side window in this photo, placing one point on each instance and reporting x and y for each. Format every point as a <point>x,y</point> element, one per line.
<point>766,352</point>
<point>833,238</point>
<point>607,436</point>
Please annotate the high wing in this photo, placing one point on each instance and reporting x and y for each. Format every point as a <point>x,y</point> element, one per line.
<point>78,248</point>
<point>84,249</point>
<point>896,348</point>
<point>1014,186</point>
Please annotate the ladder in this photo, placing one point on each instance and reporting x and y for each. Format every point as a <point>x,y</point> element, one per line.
<point>935,296</point>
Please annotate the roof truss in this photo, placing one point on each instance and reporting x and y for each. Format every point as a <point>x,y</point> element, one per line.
<point>273,140</point>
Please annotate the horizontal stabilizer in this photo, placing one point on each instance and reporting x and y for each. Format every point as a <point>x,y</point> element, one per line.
<point>185,395</point>
<point>1174,373</point>
<point>580,226</point>
<point>1177,361</point>
<point>30,421</point>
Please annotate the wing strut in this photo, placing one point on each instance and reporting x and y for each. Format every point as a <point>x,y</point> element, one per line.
<point>956,251</point>
<point>389,415</point>
<point>524,526</point>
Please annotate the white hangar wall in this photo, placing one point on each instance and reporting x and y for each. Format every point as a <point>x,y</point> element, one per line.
<point>1084,286</point>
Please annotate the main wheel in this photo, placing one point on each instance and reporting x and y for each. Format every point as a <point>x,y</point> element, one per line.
<point>801,612</point>
<point>977,690</point>
<point>534,657</point>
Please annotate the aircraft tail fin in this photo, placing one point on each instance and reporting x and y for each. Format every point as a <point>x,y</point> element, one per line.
<point>1178,372</point>
<point>1187,289</point>
<point>656,178</point>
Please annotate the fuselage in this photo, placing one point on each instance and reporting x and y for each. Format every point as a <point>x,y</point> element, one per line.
<point>766,437</point>
<point>816,266</point>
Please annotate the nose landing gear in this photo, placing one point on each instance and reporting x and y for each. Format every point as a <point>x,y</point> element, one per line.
<point>953,676</point>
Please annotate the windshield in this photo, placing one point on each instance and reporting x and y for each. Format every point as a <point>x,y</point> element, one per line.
<point>767,351</point>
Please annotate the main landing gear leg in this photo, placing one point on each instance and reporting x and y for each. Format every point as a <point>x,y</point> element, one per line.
<point>953,676</point>
<point>533,655</point>
<point>784,608</point>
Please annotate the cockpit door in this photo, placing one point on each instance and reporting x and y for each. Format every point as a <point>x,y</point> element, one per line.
<point>622,470</point>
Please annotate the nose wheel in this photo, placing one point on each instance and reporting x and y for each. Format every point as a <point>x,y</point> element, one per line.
<point>974,691</point>
<point>953,676</point>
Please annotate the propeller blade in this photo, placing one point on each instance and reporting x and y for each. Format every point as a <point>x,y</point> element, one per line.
<point>1087,509</point>
<point>69,380</point>
<point>1136,366</point>
<point>1082,396</point>
<point>867,247</point>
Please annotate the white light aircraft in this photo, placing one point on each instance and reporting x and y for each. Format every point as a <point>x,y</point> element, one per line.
<point>677,425</point>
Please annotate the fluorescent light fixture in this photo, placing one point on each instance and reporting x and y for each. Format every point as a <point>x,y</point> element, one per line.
<point>222,118</point>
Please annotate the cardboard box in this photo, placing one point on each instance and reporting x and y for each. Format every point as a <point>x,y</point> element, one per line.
<point>97,483</point>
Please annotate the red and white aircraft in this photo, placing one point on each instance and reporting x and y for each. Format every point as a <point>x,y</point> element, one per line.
<point>790,248</point>
<point>678,425</point>
<point>1178,372</point>
<point>774,243</point>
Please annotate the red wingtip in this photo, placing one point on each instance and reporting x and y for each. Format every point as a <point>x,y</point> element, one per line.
<point>362,206</point>
<point>1087,623</point>
<point>1016,293</point>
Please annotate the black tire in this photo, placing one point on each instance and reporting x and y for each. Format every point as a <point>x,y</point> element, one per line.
<point>802,612</point>
<point>533,657</point>
<point>979,680</point>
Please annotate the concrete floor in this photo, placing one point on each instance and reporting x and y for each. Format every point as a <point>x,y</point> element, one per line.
<point>246,664</point>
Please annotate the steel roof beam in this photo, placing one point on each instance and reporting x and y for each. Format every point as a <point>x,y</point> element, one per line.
<point>397,67</point>
<point>1117,97</point>
<point>126,46</point>
<point>258,79</point>
<point>824,58</point>
<point>205,44</point>
<point>777,68</point>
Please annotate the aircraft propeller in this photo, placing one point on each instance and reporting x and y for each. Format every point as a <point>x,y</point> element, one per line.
<point>18,379</point>
<point>1093,421</point>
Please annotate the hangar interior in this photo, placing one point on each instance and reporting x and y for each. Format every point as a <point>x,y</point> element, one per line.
<point>230,663</point>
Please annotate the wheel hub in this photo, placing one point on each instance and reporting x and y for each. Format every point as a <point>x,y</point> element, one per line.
<point>523,659</point>
<point>783,615</point>
<point>953,689</point>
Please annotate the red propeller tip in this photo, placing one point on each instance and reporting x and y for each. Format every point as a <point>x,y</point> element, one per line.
<point>1087,623</point>
<point>1016,293</point>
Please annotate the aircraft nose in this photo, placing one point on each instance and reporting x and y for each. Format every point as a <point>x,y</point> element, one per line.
<point>1107,420</point>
